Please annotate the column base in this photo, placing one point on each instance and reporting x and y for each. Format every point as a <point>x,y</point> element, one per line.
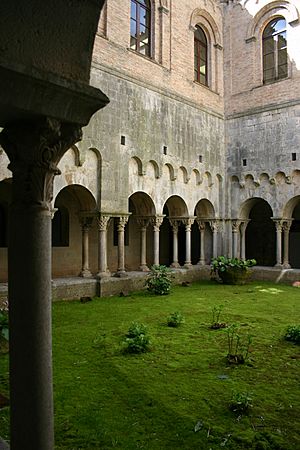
<point>286,266</point>
<point>175,265</point>
<point>187,265</point>
<point>201,263</point>
<point>103,274</point>
<point>121,274</point>
<point>144,268</point>
<point>85,273</point>
<point>279,266</point>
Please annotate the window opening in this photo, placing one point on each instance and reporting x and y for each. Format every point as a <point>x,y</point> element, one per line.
<point>140,26</point>
<point>200,57</point>
<point>275,51</point>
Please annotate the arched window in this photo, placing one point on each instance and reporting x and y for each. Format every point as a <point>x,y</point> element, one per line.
<point>140,26</point>
<point>200,56</point>
<point>275,50</point>
<point>60,228</point>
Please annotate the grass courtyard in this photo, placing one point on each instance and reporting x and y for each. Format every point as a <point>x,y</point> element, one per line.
<point>177,395</point>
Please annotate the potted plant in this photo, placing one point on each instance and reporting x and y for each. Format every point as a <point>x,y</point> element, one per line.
<point>232,270</point>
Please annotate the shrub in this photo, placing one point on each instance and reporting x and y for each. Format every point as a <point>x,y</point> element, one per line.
<point>216,313</point>
<point>159,280</point>
<point>175,319</point>
<point>293,334</point>
<point>241,402</point>
<point>137,340</point>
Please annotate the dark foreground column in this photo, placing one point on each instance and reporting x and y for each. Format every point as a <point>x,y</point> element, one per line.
<point>34,150</point>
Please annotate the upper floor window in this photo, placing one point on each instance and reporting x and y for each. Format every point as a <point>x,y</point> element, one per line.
<point>140,26</point>
<point>275,64</point>
<point>200,56</point>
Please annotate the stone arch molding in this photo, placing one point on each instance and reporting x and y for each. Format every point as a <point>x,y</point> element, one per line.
<point>277,8</point>
<point>204,18</point>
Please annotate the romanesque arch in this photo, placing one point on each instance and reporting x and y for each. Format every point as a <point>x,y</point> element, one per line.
<point>292,213</point>
<point>260,232</point>
<point>74,213</point>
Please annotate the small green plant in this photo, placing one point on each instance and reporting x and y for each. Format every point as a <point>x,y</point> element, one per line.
<point>175,319</point>
<point>238,348</point>
<point>241,402</point>
<point>159,280</point>
<point>4,320</point>
<point>137,340</point>
<point>293,334</point>
<point>216,313</point>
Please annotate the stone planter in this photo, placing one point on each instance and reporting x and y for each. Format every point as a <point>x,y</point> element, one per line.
<point>235,275</point>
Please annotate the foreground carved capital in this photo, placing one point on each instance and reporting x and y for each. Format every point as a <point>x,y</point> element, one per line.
<point>35,149</point>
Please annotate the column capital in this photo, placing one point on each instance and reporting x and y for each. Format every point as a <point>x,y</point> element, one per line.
<point>235,225</point>
<point>156,222</point>
<point>142,221</point>
<point>103,221</point>
<point>86,221</point>
<point>216,225</point>
<point>188,222</point>
<point>174,222</point>
<point>278,224</point>
<point>122,222</point>
<point>286,224</point>
<point>35,149</point>
<point>201,224</point>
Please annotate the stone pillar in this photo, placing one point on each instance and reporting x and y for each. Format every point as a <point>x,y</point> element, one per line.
<point>34,150</point>
<point>86,223</point>
<point>278,225</point>
<point>121,246</point>
<point>143,222</point>
<point>156,222</point>
<point>102,222</point>
<point>286,238</point>
<point>188,222</point>
<point>215,227</point>
<point>174,224</point>
<point>235,226</point>
<point>243,227</point>
<point>164,44</point>
<point>201,226</point>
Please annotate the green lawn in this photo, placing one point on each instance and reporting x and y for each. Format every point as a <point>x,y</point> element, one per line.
<point>106,399</point>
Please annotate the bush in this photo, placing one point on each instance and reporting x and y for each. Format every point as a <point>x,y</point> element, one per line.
<point>159,280</point>
<point>4,321</point>
<point>175,319</point>
<point>136,340</point>
<point>293,334</point>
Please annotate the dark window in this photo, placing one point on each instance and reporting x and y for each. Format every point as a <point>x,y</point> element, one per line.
<point>275,51</point>
<point>200,57</point>
<point>294,156</point>
<point>123,140</point>
<point>126,233</point>
<point>140,26</point>
<point>244,162</point>
<point>165,149</point>
<point>60,228</point>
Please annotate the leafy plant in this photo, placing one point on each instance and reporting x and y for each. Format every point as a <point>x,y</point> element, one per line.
<point>232,270</point>
<point>216,313</point>
<point>137,340</point>
<point>241,402</point>
<point>293,334</point>
<point>175,319</point>
<point>238,348</point>
<point>4,320</point>
<point>159,280</point>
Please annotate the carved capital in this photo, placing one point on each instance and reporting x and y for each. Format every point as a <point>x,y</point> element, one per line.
<point>35,149</point>
<point>174,224</point>
<point>278,225</point>
<point>122,222</point>
<point>86,223</point>
<point>235,225</point>
<point>102,222</point>
<point>156,222</point>
<point>143,222</point>
<point>286,225</point>
<point>201,225</point>
<point>188,222</point>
